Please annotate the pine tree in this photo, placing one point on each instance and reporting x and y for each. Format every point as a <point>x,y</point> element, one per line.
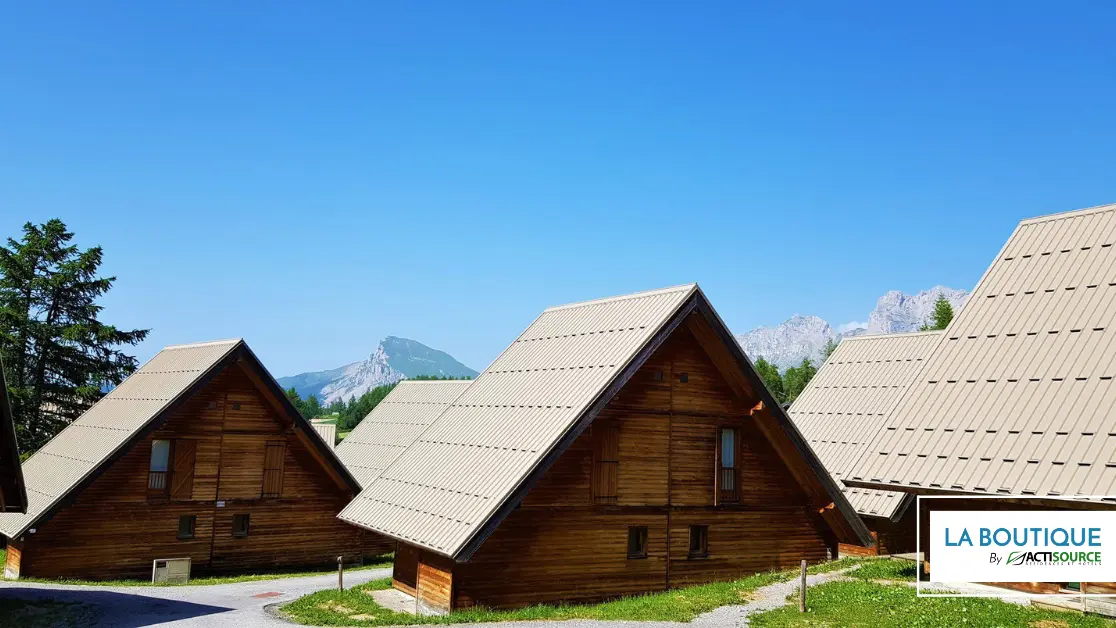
<point>943,314</point>
<point>796,378</point>
<point>59,357</point>
<point>829,348</point>
<point>769,373</point>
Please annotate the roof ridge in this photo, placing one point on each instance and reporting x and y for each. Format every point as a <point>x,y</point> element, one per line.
<point>621,297</point>
<point>190,345</point>
<point>900,334</point>
<point>1067,214</point>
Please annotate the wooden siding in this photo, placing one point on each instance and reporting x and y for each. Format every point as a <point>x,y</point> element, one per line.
<point>112,529</point>
<point>560,545</point>
<point>434,580</point>
<point>892,537</point>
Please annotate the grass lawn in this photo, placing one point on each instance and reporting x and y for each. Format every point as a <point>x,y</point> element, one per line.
<point>376,563</point>
<point>355,607</point>
<point>862,603</point>
<point>44,613</point>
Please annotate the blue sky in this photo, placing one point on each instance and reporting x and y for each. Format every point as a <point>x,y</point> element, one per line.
<point>314,176</point>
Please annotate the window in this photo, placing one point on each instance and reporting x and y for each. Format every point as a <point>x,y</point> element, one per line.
<point>659,376</point>
<point>728,492</point>
<point>160,465</point>
<point>699,541</point>
<point>186,524</point>
<point>236,405</point>
<point>637,542</point>
<point>606,462</point>
<point>240,525</point>
<point>273,469</point>
<point>683,377</point>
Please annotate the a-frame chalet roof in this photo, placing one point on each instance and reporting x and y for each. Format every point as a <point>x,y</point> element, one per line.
<point>846,403</point>
<point>1019,394</point>
<point>139,405</point>
<point>13,494</point>
<point>396,422</point>
<point>454,485</point>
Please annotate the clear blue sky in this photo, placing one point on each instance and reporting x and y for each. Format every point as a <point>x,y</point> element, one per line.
<point>314,176</point>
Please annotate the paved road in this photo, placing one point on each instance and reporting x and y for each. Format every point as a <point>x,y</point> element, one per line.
<point>243,605</point>
<point>238,605</point>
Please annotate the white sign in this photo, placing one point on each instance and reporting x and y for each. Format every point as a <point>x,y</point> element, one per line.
<point>1023,546</point>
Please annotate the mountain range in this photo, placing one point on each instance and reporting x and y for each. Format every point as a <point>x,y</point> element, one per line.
<point>804,337</point>
<point>784,345</point>
<point>394,359</point>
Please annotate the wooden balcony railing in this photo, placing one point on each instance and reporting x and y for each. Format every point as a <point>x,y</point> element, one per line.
<point>728,485</point>
<point>157,480</point>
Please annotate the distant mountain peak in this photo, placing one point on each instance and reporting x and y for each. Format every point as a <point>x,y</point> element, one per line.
<point>393,359</point>
<point>804,337</point>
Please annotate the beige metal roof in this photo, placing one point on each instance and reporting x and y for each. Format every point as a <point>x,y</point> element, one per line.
<point>1018,394</point>
<point>13,495</point>
<point>395,423</point>
<point>84,446</point>
<point>448,485</point>
<point>845,404</point>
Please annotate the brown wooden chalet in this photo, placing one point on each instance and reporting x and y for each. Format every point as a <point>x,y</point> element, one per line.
<point>617,447</point>
<point>13,495</point>
<point>197,454</point>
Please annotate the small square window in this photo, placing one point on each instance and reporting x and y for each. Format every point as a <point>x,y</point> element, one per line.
<point>236,405</point>
<point>212,405</point>
<point>699,541</point>
<point>683,377</point>
<point>240,525</point>
<point>660,376</point>
<point>186,524</point>
<point>637,542</point>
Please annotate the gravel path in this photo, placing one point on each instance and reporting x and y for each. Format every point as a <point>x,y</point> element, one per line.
<point>239,605</point>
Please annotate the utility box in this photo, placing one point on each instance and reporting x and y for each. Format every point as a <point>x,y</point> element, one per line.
<point>170,570</point>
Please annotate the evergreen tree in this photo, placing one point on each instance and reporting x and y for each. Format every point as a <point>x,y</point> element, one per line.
<point>796,378</point>
<point>60,358</point>
<point>311,408</point>
<point>829,348</point>
<point>943,314</point>
<point>769,373</point>
<point>295,398</point>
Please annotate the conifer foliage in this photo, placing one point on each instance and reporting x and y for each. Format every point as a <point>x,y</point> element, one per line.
<point>59,357</point>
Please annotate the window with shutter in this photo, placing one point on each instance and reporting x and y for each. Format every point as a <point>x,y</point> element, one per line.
<point>273,469</point>
<point>182,474</point>
<point>606,462</point>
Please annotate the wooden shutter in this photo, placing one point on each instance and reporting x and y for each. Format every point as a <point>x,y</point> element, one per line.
<point>273,469</point>
<point>182,470</point>
<point>606,462</point>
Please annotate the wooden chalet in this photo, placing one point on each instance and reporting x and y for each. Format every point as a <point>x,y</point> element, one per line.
<point>198,454</point>
<point>1015,396</point>
<point>844,406</point>
<point>13,494</point>
<point>617,447</point>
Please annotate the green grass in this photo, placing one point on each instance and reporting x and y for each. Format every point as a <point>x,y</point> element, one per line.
<point>379,562</point>
<point>886,569</point>
<point>355,607</point>
<point>44,613</point>
<point>861,603</point>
